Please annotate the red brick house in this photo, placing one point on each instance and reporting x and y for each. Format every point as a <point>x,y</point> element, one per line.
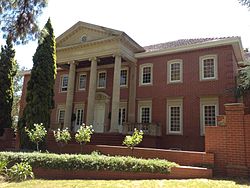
<point>170,90</point>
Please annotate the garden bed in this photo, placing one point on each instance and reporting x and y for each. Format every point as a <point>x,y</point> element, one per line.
<point>96,166</point>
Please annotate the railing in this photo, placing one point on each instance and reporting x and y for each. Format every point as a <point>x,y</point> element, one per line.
<point>153,129</point>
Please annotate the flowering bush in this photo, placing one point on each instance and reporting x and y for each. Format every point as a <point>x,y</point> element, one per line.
<point>133,140</point>
<point>62,136</point>
<point>83,134</point>
<point>37,134</point>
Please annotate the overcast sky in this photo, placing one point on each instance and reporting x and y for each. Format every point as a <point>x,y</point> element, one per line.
<point>148,21</point>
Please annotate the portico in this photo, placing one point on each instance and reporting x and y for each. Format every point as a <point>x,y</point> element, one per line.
<point>96,48</point>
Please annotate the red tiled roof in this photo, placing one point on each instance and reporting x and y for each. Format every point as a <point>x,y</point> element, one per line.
<point>181,43</point>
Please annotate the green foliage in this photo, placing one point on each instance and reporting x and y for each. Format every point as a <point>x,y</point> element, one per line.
<point>243,80</point>
<point>19,18</point>
<point>83,134</point>
<point>20,172</point>
<point>40,88</point>
<point>62,135</point>
<point>135,139</point>
<point>37,134</point>
<point>3,166</point>
<point>88,162</point>
<point>7,73</point>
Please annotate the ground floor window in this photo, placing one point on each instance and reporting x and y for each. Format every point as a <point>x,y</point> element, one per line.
<point>174,116</point>
<point>208,110</point>
<point>122,115</point>
<point>61,115</point>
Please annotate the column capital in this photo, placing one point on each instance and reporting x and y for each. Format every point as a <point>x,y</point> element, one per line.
<point>117,54</point>
<point>93,59</point>
<point>72,62</point>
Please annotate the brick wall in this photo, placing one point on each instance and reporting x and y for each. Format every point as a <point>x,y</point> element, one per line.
<point>231,143</point>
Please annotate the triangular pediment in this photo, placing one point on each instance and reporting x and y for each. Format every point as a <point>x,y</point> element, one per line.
<point>83,32</point>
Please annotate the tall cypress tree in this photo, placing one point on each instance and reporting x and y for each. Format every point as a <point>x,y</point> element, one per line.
<point>40,89</point>
<point>7,73</point>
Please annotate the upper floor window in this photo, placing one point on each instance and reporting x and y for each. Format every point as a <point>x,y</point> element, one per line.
<point>64,83</point>
<point>208,67</point>
<point>146,74</point>
<point>209,111</point>
<point>174,116</point>
<point>102,77</point>
<point>82,81</point>
<point>124,77</point>
<point>175,71</point>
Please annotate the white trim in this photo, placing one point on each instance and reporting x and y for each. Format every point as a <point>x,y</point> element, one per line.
<point>98,74</point>
<point>61,82</point>
<point>122,86</point>
<point>144,104</point>
<point>59,109</point>
<point>171,62</point>
<point>76,108</point>
<point>235,42</point>
<point>207,101</point>
<point>82,89</point>
<point>178,102</point>
<point>201,66</point>
<point>142,66</point>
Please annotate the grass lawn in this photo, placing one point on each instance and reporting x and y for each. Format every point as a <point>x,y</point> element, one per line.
<point>192,183</point>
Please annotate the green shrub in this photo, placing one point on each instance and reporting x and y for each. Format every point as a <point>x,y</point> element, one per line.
<point>20,172</point>
<point>62,137</point>
<point>133,140</point>
<point>88,162</point>
<point>3,166</point>
<point>83,135</point>
<point>37,134</point>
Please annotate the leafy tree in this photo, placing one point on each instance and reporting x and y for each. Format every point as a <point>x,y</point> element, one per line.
<point>62,137</point>
<point>132,141</point>
<point>243,80</point>
<point>245,3</point>
<point>37,134</point>
<point>7,73</point>
<point>40,89</point>
<point>83,135</point>
<point>19,18</point>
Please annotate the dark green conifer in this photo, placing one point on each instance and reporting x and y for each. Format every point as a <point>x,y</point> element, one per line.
<point>7,73</point>
<point>40,89</point>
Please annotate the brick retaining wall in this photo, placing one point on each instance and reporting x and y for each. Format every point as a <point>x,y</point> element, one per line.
<point>231,143</point>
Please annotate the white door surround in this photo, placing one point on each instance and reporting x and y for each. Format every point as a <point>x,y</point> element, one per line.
<point>99,117</point>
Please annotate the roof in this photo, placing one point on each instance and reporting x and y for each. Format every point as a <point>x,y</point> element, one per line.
<point>184,45</point>
<point>183,42</point>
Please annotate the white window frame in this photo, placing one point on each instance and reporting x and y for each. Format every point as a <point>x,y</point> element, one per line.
<point>123,105</point>
<point>103,87</point>
<point>174,102</point>
<point>201,65</point>
<point>126,85</point>
<point>171,62</point>
<point>82,74</point>
<point>207,101</point>
<point>59,110</point>
<point>144,104</point>
<point>61,83</point>
<point>76,113</point>
<point>141,74</point>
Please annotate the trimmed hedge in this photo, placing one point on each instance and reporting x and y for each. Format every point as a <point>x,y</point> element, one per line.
<point>94,161</point>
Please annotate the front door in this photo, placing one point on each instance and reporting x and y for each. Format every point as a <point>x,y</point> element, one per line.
<point>99,117</point>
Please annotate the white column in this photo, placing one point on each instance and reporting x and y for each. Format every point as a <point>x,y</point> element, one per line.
<point>70,95</point>
<point>116,95</point>
<point>92,92</point>
<point>132,93</point>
